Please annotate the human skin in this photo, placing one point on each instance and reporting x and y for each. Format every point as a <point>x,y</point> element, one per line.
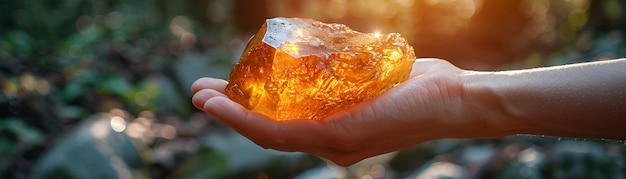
<point>439,100</point>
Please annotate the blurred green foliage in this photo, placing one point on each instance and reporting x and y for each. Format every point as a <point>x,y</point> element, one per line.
<point>101,87</point>
<point>64,61</point>
<point>203,164</point>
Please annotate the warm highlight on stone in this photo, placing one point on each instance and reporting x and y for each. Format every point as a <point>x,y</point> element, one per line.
<point>304,69</point>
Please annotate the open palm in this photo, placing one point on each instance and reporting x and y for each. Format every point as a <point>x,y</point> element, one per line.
<point>411,113</point>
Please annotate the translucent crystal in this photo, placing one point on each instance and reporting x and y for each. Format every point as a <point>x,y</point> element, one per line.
<point>303,69</point>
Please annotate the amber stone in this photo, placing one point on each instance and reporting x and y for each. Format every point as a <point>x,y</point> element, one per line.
<point>296,68</point>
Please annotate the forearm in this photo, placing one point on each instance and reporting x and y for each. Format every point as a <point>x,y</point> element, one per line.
<point>581,100</point>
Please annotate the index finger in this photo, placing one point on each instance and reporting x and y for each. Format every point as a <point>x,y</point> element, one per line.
<point>291,135</point>
<point>209,83</point>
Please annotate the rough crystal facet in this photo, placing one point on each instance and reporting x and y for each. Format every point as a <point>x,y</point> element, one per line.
<point>303,69</point>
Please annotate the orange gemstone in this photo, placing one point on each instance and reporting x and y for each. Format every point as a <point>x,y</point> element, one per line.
<point>303,69</point>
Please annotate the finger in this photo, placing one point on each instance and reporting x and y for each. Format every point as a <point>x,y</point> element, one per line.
<point>291,135</point>
<point>226,110</point>
<point>300,135</point>
<point>209,83</point>
<point>261,129</point>
<point>320,137</point>
<point>200,97</point>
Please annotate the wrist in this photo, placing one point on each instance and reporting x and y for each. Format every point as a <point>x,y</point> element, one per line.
<point>485,104</point>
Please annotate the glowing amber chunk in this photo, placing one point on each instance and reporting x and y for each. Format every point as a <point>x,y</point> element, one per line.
<point>304,69</point>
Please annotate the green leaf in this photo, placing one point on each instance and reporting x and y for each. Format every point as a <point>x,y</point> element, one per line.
<point>24,132</point>
<point>115,85</point>
<point>20,42</point>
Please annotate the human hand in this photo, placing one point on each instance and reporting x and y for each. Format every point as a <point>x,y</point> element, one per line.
<point>431,104</point>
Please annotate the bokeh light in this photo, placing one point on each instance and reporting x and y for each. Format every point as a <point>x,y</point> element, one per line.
<point>118,124</point>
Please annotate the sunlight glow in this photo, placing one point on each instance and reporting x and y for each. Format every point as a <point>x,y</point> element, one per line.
<point>299,33</point>
<point>290,47</point>
<point>167,131</point>
<point>377,171</point>
<point>99,129</point>
<point>118,124</point>
<point>466,9</point>
<point>135,130</point>
<point>142,98</point>
<point>530,157</point>
<point>442,170</point>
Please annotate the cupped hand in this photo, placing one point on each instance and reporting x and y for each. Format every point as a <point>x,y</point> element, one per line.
<point>429,105</point>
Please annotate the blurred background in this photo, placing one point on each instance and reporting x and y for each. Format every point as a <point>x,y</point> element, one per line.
<point>101,88</point>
